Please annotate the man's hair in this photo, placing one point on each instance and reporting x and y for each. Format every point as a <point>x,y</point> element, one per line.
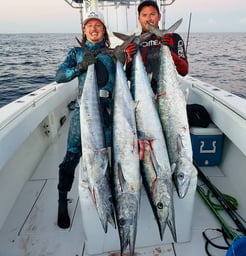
<point>148,3</point>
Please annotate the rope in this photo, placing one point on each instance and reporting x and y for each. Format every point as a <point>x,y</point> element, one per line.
<point>210,242</point>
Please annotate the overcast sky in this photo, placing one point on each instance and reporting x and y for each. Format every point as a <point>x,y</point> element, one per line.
<point>48,16</point>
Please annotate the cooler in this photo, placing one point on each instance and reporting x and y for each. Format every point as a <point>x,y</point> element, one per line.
<point>207,145</point>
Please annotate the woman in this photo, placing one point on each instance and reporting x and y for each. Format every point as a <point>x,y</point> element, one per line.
<point>78,59</point>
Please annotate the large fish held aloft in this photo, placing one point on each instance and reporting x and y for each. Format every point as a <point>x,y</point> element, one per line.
<point>95,158</point>
<point>126,171</point>
<point>155,166</point>
<point>172,112</point>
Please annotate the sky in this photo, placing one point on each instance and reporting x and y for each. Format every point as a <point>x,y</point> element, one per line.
<point>56,16</point>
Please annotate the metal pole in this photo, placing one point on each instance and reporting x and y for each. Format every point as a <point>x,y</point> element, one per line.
<point>188,35</point>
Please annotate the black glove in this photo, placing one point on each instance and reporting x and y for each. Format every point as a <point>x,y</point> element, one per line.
<point>88,59</point>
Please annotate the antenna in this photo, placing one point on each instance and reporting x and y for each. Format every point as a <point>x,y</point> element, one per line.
<point>188,35</point>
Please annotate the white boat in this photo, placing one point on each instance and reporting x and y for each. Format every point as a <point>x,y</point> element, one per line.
<point>33,133</point>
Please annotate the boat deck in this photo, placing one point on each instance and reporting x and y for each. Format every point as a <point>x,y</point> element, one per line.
<point>31,226</point>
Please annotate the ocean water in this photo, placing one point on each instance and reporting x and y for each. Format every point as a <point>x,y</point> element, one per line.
<point>29,61</point>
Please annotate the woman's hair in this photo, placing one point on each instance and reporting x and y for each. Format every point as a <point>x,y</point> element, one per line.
<point>105,38</point>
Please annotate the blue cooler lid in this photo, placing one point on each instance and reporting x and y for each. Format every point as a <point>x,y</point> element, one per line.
<point>238,247</point>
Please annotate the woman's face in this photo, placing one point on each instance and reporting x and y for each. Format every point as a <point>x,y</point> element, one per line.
<point>94,30</point>
<point>148,14</point>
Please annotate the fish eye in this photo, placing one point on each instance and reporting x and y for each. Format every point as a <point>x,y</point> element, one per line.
<point>180,176</point>
<point>160,205</point>
<point>122,222</point>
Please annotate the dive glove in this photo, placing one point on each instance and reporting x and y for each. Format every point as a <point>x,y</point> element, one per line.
<point>131,49</point>
<point>88,59</point>
<point>120,55</point>
<point>168,40</point>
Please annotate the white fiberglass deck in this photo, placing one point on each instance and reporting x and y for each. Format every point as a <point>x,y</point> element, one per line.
<point>31,229</point>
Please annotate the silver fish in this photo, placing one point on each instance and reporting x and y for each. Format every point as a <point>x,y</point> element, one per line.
<point>155,166</point>
<point>172,111</point>
<point>95,156</point>
<point>126,171</point>
<point>144,36</point>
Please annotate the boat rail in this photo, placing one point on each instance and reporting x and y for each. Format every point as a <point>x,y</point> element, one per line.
<point>14,110</point>
<point>222,106</point>
<point>20,118</point>
<point>231,101</point>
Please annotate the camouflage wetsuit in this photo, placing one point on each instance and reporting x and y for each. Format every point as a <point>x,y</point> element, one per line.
<point>68,70</point>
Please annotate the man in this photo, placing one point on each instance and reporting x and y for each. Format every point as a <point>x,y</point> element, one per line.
<point>78,59</point>
<point>148,11</point>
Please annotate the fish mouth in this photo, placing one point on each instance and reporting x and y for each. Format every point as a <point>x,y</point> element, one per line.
<point>128,230</point>
<point>127,213</point>
<point>182,184</point>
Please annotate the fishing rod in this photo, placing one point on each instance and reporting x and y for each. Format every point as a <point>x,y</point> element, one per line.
<point>188,35</point>
<point>219,196</point>
<point>230,233</point>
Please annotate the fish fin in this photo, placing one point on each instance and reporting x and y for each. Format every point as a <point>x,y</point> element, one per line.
<point>126,39</point>
<point>122,179</point>
<point>121,36</point>
<point>173,167</point>
<point>171,220</point>
<point>159,33</point>
<point>172,28</point>
<point>93,193</point>
<point>153,158</point>
<point>111,220</point>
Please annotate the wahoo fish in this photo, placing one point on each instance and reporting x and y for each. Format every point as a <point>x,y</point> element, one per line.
<point>172,112</point>
<point>126,171</point>
<point>155,166</point>
<point>95,156</point>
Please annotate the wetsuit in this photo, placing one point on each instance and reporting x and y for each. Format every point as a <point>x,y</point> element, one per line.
<point>68,70</point>
<point>150,51</point>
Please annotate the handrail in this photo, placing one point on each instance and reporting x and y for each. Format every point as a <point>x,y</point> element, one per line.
<point>213,93</point>
<point>22,105</point>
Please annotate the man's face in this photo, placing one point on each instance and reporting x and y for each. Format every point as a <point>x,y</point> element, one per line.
<point>150,14</point>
